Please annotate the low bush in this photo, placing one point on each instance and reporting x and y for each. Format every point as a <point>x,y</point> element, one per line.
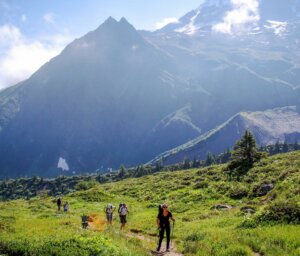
<point>238,192</point>
<point>281,212</point>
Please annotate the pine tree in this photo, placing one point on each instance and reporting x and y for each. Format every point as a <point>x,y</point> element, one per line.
<point>158,167</point>
<point>196,163</point>
<point>277,149</point>
<point>186,163</point>
<point>225,157</point>
<point>210,159</point>
<point>296,145</point>
<point>285,147</point>
<point>244,155</point>
<point>122,171</point>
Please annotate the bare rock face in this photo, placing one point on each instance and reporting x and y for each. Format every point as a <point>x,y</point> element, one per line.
<point>265,189</point>
<point>248,209</point>
<point>222,207</point>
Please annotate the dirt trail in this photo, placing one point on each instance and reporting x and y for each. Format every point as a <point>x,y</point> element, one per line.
<point>163,246</point>
<point>97,223</point>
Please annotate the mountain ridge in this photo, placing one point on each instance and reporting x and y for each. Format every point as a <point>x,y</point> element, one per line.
<point>121,96</point>
<point>268,127</point>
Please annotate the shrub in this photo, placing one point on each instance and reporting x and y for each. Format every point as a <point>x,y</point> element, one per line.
<point>85,185</point>
<point>201,184</point>
<point>238,192</point>
<point>196,236</point>
<point>281,212</point>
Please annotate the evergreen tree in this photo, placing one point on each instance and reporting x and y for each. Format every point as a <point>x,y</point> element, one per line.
<point>225,157</point>
<point>296,146</point>
<point>158,167</point>
<point>196,163</point>
<point>244,155</point>
<point>277,149</point>
<point>122,171</point>
<point>285,147</point>
<point>186,163</point>
<point>210,159</point>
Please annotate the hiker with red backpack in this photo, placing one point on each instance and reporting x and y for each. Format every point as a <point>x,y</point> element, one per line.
<point>163,224</point>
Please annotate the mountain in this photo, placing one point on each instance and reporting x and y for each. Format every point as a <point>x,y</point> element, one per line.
<point>121,96</point>
<point>238,17</point>
<point>268,127</point>
<point>89,106</point>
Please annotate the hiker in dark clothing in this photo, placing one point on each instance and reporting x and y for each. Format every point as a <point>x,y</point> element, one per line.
<point>163,223</point>
<point>58,202</point>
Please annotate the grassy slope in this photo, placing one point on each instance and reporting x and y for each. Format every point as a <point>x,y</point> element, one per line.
<point>190,194</point>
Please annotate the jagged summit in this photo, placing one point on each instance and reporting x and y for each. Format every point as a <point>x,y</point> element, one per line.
<point>111,34</point>
<point>110,21</point>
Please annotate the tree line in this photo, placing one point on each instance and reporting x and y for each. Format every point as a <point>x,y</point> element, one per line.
<point>239,160</point>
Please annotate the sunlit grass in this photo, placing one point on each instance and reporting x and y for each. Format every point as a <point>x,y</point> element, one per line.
<point>35,227</point>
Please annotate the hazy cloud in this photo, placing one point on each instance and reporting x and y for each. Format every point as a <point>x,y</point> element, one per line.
<point>22,57</point>
<point>49,17</point>
<point>165,21</point>
<point>9,35</point>
<point>244,12</point>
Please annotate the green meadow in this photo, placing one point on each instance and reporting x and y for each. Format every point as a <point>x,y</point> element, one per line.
<point>255,221</point>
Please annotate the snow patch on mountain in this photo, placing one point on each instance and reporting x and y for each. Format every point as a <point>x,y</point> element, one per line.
<point>275,122</point>
<point>62,164</point>
<point>190,28</point>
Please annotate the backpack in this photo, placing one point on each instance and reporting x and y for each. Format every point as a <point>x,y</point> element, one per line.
<point>160,210</point>
<point>123,210</point>
<point>109,209</point>
<point>120,207</point>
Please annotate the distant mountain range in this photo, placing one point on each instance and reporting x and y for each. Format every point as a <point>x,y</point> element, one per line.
<point>268,127</point>
<point>118,95</point>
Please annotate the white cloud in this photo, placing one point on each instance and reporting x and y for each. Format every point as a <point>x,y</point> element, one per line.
<point>278,27</point>
<point>9,34</point>
<point>244,12</point>
<point>21,57</point>
<point>165,21</point>
<point>49,17</point>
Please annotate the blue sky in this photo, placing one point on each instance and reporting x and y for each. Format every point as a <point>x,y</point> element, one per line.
<point>33,31</point>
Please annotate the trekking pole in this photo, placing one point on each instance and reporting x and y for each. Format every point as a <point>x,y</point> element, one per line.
<point>172,233</point>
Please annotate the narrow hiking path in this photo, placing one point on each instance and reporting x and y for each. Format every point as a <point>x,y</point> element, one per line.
<point>98,223</point>
<point>142,237</point>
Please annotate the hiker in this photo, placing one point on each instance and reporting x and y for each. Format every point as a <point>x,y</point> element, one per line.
<point>123,211</point>
<point>66,207</point>
<point>163,224</point>
<point>85,221</point>
<point>109,213</point>
<point>58,202</point>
